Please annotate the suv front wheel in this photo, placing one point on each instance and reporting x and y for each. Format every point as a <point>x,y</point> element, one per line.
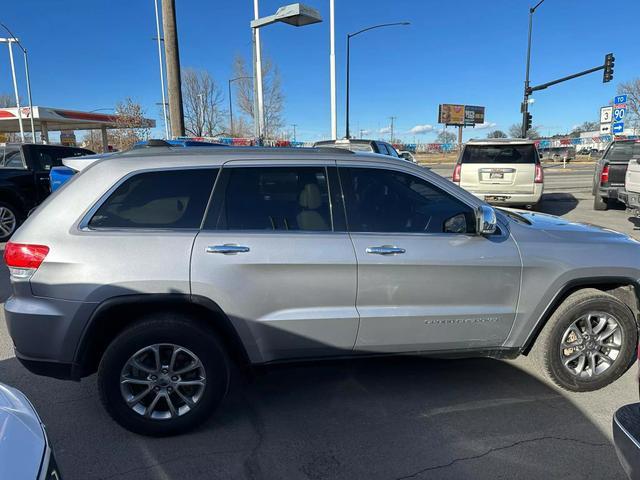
<point>163,375</point>
<point>589,341</point>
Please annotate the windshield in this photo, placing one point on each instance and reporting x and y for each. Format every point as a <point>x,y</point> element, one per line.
<point>623,152</point>
<point>499,154</point>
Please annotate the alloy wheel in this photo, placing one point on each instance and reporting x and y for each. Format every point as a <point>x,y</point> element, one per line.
<point>162,381</point>
<point>7,222</point>
<point>591,344</point>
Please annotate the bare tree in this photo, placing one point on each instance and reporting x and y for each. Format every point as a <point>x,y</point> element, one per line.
<point>497,134</point>
<point>271,91</point>
<point>632,89</point>
<point>515,131</point>
<point>446,137</point>
<point>130,128</point>
<point>202,98</point>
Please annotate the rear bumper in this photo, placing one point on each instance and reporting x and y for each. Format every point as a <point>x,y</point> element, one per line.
<point>612,193</point>
<point>506,198</point>
<point>626,437</point>
<point>46,333</point>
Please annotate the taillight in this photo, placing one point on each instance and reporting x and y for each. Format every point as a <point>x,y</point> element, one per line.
<point>604,175</point>
<point>456,172</point>
<point>539,178</point>
<point>24,259</point>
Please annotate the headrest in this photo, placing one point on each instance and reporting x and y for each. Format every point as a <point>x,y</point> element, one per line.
<point>310,197</point>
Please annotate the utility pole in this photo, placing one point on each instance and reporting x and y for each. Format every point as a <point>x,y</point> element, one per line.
<point>164,99</point>
<point>392,120</point>
<point>172,56</point>
<point>294,125</point>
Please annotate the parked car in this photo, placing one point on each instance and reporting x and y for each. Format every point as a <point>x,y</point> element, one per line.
<point>501,171</point>
<point>360,145</point>
<point>25,451</point>
<point>631,195</point>
<point>159,269</point>
<point>70,166</point>
<point>610,172</point>
<point>626,437</point>
<point>24,179</point>
<point>407,156</point>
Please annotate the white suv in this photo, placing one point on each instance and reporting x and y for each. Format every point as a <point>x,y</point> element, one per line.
<point>506,172</point>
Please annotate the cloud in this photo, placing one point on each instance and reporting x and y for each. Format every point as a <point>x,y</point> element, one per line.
<point>485,125</point>
<point>421,129</point>
<point>385,130</point>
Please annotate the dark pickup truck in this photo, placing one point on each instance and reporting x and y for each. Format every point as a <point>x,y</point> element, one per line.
<point>24,179</point>
<point>608,180</point>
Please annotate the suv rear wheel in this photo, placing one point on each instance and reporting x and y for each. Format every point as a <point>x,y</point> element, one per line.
<point>589,341</point>
<point>163,375</point>
<point>9,220</point>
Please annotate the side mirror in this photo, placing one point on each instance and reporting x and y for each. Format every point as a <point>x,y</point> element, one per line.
<point>486,222</point>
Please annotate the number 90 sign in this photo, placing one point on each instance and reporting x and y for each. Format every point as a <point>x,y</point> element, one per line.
<point>618,114</point>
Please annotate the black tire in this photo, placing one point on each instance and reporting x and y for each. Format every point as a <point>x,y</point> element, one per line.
<point>600,203</point>
<point>15,213</point>
<point>547,353</point>
<point>167,328</point>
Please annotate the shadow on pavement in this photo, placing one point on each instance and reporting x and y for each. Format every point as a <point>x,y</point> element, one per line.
<point>557,203</point>
<point>393,418</point>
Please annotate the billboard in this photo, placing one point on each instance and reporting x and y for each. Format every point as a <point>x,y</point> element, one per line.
<point>451,114</point>
<point>473,115</point>
<point>467,115</point>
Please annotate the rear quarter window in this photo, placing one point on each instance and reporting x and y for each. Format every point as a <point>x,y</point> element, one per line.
<point>623,152</point>
<point>498,154</point>
<point>171,199</point>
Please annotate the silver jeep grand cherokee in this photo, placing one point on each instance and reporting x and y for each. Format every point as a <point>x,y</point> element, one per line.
<point>158,268</point>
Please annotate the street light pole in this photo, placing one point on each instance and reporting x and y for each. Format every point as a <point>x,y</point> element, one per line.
<point>26,69</point>
<point>296,14</point>
<point>164,101</point>
<point>332,63</point>
<point>349,36</point>
<point>525,101</point>
<point>257,55</point>
<point>15,87</point>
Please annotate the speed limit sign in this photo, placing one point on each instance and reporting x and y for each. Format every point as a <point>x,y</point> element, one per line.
<point>606,114</point>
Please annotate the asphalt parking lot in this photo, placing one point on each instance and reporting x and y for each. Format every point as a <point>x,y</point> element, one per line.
<point>402,418</point>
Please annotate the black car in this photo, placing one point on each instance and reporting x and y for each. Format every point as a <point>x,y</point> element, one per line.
<point>24,179</point>
<point>361,145</point>
<point>608,180</point>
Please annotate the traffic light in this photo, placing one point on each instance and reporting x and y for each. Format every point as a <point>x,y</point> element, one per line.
<point>529,121</point>
<point>608,67</point>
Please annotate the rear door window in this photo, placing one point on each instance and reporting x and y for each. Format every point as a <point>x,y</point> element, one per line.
<point>169,199</point>
<point>12,158</point>
<point>498,154</point>
<point>623,152</point>
<point>272,199</point>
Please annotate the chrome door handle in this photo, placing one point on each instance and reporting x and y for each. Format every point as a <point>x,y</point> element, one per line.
<point>227,249</point>
<point>385,250</point>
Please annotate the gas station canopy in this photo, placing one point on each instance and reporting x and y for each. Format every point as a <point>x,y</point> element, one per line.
<point>46,119</point>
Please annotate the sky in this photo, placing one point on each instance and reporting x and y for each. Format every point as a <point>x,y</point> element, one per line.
<point>90,54</point>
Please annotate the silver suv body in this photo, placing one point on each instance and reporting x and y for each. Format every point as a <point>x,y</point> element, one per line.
<point>158,268</point>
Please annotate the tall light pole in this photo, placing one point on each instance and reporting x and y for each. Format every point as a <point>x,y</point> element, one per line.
<point>294,125</point>
<point>295,14</point>
<point>525,101</point>
<point>349,37</point>
<point>393,119</point>
<point>164,100</point>
<point>332,69</point>
<point>231,80</point>
<point>26,69</point>
<point>10,42</point>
